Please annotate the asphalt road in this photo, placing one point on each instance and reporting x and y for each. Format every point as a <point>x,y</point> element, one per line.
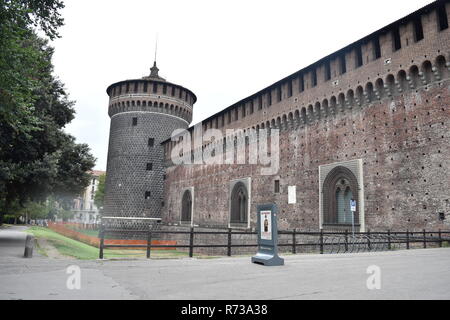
<point>413,274</point>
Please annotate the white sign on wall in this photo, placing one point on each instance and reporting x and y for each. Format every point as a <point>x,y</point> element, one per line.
<point>292,194</point>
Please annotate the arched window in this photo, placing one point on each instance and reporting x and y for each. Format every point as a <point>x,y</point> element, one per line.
<point>186,206</point>
<point>239,203</point>
<point>441,67</point>
<point>340,186</point>
<point>427,71</point>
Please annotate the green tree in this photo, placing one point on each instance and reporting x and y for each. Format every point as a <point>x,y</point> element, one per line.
<point>99,197</point>
<point>37,158</point>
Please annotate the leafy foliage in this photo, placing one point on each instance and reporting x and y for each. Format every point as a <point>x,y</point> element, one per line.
<point>99,197</point>
<point>37,158</point>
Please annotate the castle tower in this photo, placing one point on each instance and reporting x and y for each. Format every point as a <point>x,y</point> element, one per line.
<point>144,112</point>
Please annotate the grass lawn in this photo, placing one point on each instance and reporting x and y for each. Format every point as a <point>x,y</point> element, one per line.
<point>80,250</point>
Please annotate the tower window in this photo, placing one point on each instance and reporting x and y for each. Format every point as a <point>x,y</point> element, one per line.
<point>135,121</point>
<point>343,64</point>
<point>418,29</point>
<point>151,142</point>
<point>359,57</point>
<point>289,88</point>
<point>155,87</point>
<point>136,87</point>
<point>173,91</point>
<point>314,77</point>
<point>442,16</point>
<point>327,71</point>
<point>149,166</point>
<point>301,83</point>
<point>277,186</point>
<point>127,88</point>
<point>165,89</point>
<point>145,86</point>
<point>376,48</point>
<point>269,97</point>
<point>147,195</point>
<point>396,39</point>
<point>260,102</point>
<point>279,94</point>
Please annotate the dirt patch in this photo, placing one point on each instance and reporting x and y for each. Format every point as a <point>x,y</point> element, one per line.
<point>47,249</point>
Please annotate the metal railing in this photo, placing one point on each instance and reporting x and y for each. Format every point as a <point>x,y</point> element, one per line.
<point>322,242</point>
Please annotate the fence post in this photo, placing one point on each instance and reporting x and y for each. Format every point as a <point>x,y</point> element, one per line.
<point>229,243</point>
<point>102,241</point>
<point>346,240</point>
<point>389,240</point>
<point>321,241</point>
<point>368,240</point>
<point>424,239</point>
<point>294,242</point>
<point>440,239</point>
<point>407,239</point>
<point>191,243</point>
<point>149,242</point>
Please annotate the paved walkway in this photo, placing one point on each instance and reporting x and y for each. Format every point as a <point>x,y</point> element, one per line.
<point>413,274</point>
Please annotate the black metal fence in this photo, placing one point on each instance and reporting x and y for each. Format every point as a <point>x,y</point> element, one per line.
<point>294,241</point>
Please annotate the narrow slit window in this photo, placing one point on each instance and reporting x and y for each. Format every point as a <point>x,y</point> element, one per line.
<point>155,87</point>
<point>396,39</point>
<point>343,64</point>
<point>151,142</point>
<point>147,195</point>
<point>301,83</point>
<point>289,88</point>
<point>359,57</point>
<point>149,166</point>
<point>376,48</point>
<point>279,94</point>
<point>327,71</point>
<point>314,77</point>
<point>135,121</point>
<point>443,19</point>
<point>418,29</point>
<point>277,186</point>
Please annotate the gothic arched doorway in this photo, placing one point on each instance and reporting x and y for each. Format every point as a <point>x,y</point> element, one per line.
<point>186,206</point>
<point>239,203</point>
<point>340,186</point>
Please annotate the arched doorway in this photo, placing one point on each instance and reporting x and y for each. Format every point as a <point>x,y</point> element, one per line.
<point>239,203</point>
<point>186,206</point>
<point>339,187</point>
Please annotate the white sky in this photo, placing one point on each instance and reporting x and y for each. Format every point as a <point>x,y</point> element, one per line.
<point>222,51</point>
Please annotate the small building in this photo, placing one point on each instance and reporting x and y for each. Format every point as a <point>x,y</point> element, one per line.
<point>84,208</point>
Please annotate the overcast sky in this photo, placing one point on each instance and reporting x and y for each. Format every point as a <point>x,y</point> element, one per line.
<point>223,51</point>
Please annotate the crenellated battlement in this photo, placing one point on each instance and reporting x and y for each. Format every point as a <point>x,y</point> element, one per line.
<point>407,55</point>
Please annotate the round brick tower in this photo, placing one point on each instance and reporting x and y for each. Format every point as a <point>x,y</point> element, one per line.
<point>144,112</point>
